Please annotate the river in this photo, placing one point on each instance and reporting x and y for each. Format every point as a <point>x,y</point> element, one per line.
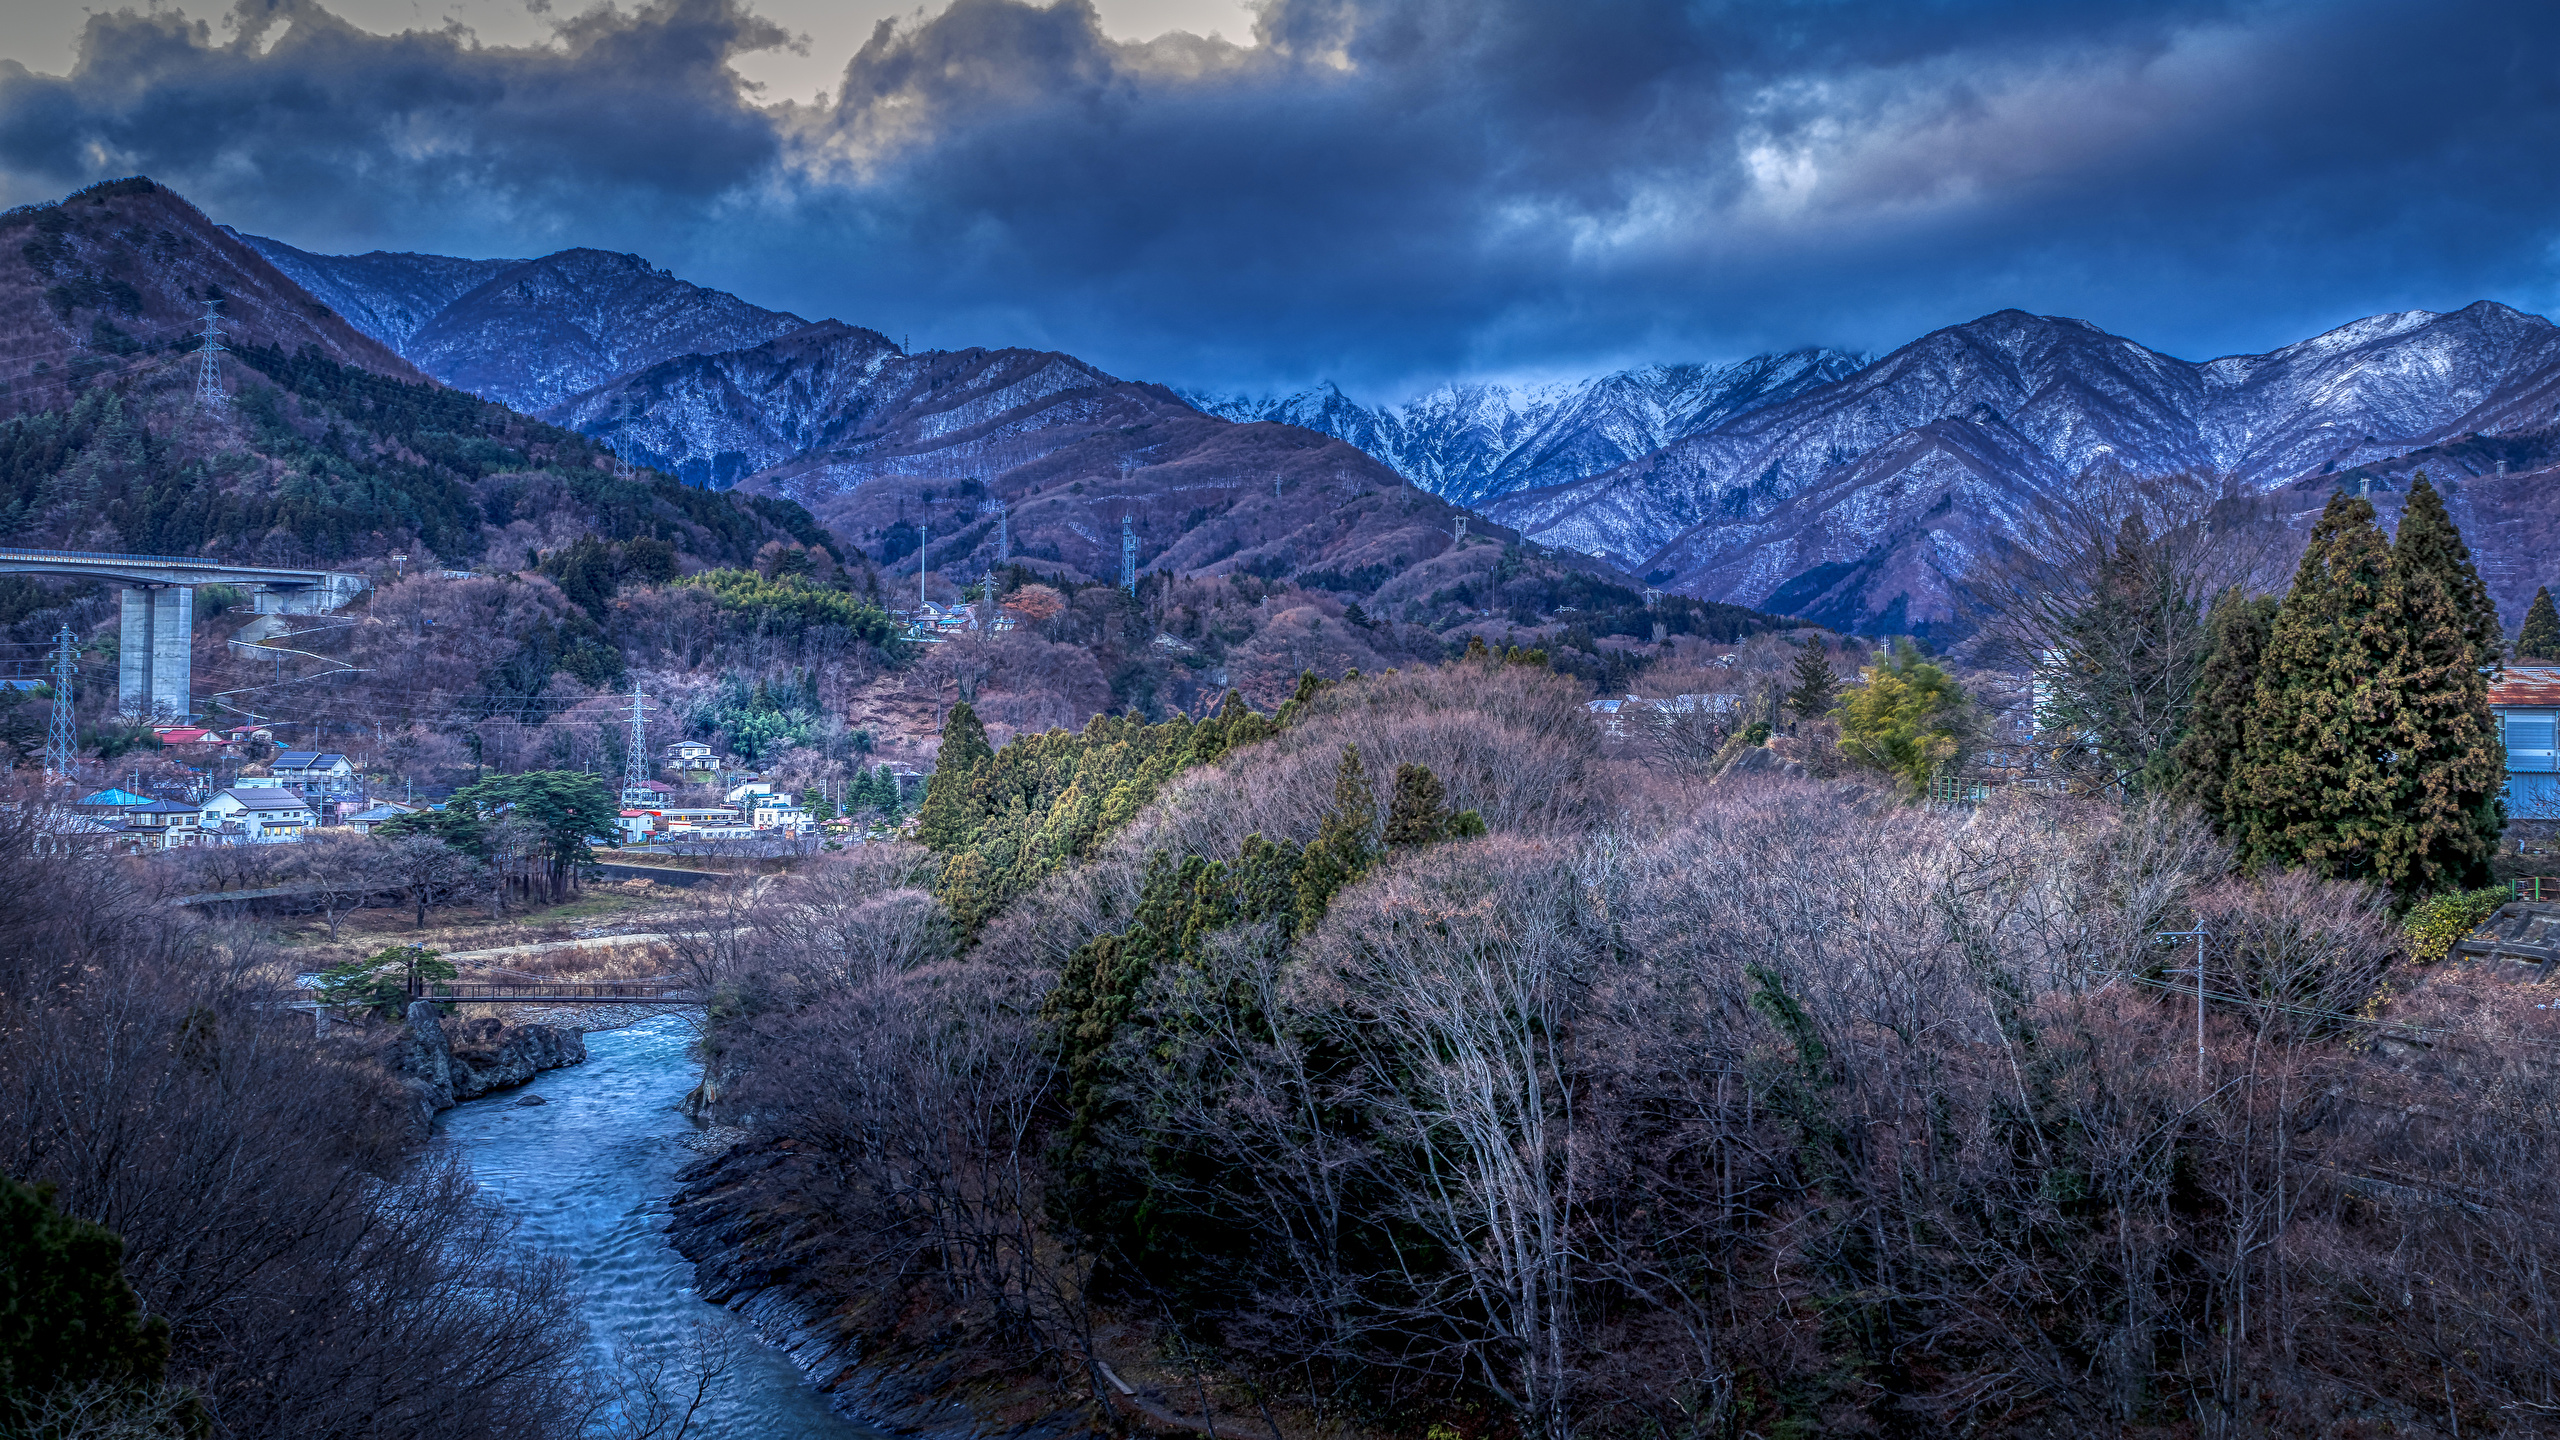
<point>588,1175</point>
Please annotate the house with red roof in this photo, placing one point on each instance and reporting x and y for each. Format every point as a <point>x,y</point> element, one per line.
<point>2526,700</point>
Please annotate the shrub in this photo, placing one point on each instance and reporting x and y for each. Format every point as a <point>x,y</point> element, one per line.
<point>2439,922</point>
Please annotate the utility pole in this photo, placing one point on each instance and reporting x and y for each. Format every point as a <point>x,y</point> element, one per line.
<point>209,392</point>
<point>1129,553</point>
<point>635,763</point>
<point>62,739</point>
<point>2199,936</point>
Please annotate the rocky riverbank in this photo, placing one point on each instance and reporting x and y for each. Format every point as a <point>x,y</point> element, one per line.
<point>443,1062</point>
<point>770,1260</point>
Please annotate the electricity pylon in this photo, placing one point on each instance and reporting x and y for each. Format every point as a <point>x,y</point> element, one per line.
<point>209,392</point>
<point>62,739</point>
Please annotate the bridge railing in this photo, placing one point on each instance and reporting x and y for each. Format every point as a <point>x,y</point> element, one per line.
<point>549,990</point>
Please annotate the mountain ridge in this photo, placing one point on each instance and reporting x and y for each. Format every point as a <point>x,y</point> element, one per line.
<point>1742,511</point>
<point>1472,442</point>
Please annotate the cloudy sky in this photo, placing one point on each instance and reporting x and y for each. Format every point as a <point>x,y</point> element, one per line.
<point>1260,193</point>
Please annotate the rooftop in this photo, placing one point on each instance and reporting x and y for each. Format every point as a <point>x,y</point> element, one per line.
<point>118,798</point>
<point>266,799</point>
<point>2527,685</point>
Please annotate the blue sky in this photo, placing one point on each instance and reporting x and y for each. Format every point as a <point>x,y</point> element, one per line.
<point>1386,192</point>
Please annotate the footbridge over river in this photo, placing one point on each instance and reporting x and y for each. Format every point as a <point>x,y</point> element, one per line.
<point>155,666</point>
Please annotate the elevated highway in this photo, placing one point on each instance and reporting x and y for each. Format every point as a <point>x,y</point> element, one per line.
<point>155,664</point>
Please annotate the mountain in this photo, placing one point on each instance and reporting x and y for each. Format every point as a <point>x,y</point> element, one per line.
<point>837,405</point>
<point>1867,501</point>
<point>1472,442</point>
<point>528,333</point>
<point>384,294</point>
<point>113,281</point>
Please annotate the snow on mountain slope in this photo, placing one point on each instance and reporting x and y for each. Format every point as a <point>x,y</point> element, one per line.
<point>548,329</point>
<point>1473,442</point>
<point>527,333</point>
<point>386,295</point>
<point>1783,504</point>
<point>841,404</point>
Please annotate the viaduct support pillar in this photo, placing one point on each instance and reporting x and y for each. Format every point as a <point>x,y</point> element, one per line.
<point>155,660</point>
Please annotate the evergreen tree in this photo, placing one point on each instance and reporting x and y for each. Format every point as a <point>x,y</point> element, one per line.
<point>2429,543</point>
<point>949,818</point>
<point>2314,786</point>
<point>1417,813</point>
<point>2540,638</point>
<point>2208,755</point>
<point>1345,842</point>
<point>1816,687</point>
<point>68,1317</point>
<point>2447,756</point>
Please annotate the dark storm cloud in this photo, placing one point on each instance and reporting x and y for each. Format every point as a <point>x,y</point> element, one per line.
<point>1402,188</point>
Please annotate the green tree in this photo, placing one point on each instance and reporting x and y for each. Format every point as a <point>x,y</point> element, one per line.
<point>2315,785</point>
<point>2209,753</point>
<point>1417,813</point>
<point>1909,719</point>
<point>2428,543</point>
<point>384,981</point>
<point>2448,762</point>
<point>1345,844</point>
<point>2540,638</point>
<point>570,808</point>
<point>68,1316</point>
<point>949,818</point>
<point>1816,687</point>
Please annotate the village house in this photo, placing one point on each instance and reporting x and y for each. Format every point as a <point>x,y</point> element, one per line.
<point>365,821</point>
<point>162,824</point>
<point>315,775</point>
<point>692,759</point>
<point>256,815</point>
<point>2526,700</point>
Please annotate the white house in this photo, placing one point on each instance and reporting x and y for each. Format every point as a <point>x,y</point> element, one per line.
<point>315,773</point>
<point>2526,700</point>
<point>259,816</point>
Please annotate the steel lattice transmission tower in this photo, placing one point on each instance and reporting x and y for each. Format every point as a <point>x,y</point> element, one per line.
<point>635,763</point>
<point>1004,536</point>
<point>1129,554</point>
<point>62,738</point>
<point>209,393</point>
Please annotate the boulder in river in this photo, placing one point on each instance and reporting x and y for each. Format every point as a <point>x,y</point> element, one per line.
<point>447,1062</point>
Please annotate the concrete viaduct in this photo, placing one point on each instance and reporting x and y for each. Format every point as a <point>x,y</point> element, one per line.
<point>156,657</point>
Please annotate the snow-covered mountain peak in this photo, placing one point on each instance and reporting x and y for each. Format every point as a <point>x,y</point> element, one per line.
<point>1472,441</point>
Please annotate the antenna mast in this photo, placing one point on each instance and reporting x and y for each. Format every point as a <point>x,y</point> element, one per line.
<point>1128,554</point>
<point>209,392</point>
<point>62,740</point>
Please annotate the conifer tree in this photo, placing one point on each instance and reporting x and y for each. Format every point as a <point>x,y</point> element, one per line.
<point>1416,814</point>
<point>68,1317</point>
<point>2315,786</point>
<point>2428,542</point>
<point>2208,755</point>
<point>1345,841</point>
<point>948,818</point>
<point>1816,685</point>
<point>2540,637</point>
<point>2447,757</point>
